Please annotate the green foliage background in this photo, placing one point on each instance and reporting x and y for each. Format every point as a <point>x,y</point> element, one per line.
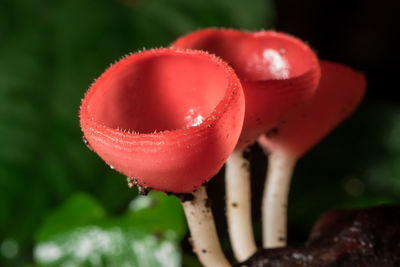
<point>57,195</point>
<point>50,52</point>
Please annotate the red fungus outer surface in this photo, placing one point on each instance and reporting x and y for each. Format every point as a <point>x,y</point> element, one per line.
<point>340,92</point>
<point>277,72</point>
<point>168,118</point>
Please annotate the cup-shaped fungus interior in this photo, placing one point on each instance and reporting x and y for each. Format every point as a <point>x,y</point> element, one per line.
<point>254,56</point>
<point>158,93</point>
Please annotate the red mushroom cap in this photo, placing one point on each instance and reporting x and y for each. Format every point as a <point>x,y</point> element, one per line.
<point>277,72</point>
<point>169,118</point>
<point>340,92</point>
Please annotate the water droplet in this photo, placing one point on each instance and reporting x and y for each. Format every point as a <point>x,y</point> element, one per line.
<point>86,142</point>
<point>111,167</point>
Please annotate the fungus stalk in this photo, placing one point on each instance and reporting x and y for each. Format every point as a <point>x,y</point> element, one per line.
<point>202,229</point>
<point>275,199</point>
<point>238,206</point>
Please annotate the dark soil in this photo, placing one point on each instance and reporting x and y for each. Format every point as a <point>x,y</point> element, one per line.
<point>368,237</point>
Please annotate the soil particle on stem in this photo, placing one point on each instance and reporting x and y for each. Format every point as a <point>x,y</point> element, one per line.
<point>185,197</point>
<point>208,203</point>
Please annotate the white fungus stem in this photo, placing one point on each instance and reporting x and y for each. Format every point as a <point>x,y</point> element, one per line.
<point>202,229</point>
<point>238,206</point>
<point>275,199</point>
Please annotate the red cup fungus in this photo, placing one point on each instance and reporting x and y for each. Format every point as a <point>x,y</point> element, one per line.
<point>277,72</point>
<point>168,118</point>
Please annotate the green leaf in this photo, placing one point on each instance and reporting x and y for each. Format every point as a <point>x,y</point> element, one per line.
<point>79,233</point>
<point>52,51</point>
<point>79,210</point>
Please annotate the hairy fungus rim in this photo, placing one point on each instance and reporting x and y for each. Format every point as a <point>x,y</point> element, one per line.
<point>232,87</point>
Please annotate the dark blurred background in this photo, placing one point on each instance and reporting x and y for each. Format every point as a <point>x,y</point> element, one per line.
<point>60,205</point>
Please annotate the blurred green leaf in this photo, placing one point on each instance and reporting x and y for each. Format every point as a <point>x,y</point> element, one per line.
<point>50,53</point>
<point>80,233</point>
<point>79,210</point>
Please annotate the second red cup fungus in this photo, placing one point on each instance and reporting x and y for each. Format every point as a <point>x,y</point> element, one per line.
<point>277,72</point>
